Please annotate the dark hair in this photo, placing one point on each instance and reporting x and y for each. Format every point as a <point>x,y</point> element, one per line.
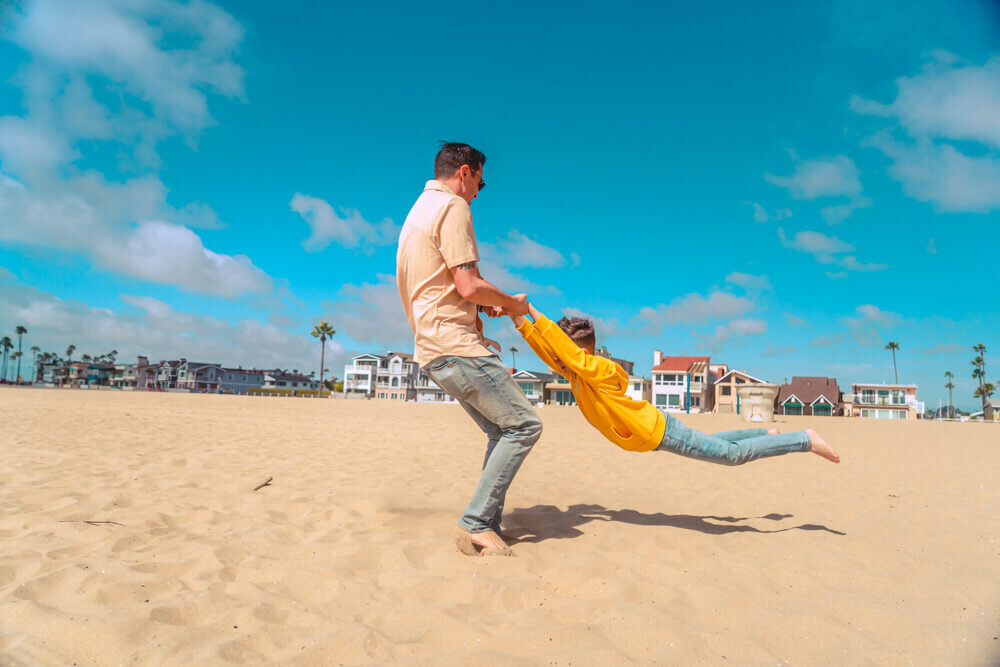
<point>578,329</point>
<point>452,156</point>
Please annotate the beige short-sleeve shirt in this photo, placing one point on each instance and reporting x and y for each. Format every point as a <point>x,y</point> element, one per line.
<point>437,236</point>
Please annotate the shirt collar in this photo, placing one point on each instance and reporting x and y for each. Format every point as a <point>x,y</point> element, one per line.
<point>439,186</point>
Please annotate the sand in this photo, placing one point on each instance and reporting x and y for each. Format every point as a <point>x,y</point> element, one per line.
<point>346,557</point>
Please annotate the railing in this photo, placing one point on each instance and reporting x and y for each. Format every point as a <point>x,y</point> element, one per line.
<point>869,399</point>
<point>355,368</point>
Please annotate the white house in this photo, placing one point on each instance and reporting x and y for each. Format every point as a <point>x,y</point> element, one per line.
<point>428,392</point>
<point>391,376</point>
<point>281,380</point>
<point>681,383</point>
<point>532,384</point>
<point>640,389</point>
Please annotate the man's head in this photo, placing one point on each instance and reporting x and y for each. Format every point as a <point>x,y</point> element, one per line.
<point>460,167</point>
<point>581,331</point>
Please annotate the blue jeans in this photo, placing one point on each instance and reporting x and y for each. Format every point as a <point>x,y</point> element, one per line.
<point>731,448</point>
<point>484,387</point>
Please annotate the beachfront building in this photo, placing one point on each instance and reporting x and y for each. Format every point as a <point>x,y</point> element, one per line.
<point>558,391</point>
<point>639,389</point>
<point>991,411</point>
<point>240,381</point>
<point>725,398</point>
<point>199,377</point>
<point>532,384</point>
<point>361,373</point>
<point>279,379</point>
<point>396,378</point>
<point>810,395</point>
<point>628,366</point>
<point>681,383</point>
<point>124,376</point>
<point>883,401</point>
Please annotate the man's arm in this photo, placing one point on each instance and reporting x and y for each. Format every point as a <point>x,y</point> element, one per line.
<point>473,287</point>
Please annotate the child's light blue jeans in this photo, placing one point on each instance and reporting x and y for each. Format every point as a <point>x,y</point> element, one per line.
<point>484,387</point>
<point>731,448</point>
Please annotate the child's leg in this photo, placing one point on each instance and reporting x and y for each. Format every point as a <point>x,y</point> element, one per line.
<point>741,434</point>
<point>682,440</point>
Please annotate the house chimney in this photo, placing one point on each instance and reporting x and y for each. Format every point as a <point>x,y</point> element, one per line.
<point>657,358</point>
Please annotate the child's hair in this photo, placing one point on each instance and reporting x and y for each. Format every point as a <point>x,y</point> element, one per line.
<point>579,329</point>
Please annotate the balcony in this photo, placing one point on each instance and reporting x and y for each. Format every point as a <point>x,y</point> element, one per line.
<point>875,399</point>
<point>362,369</point>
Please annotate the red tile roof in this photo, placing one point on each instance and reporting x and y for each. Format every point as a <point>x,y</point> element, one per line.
<point>678,363</point>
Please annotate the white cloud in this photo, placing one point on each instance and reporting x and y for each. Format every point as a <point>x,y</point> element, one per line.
<point>947,99</point>
<point>931,248</point>
<point>519,250</point>
<point>748,281</point>
<point>159,60</point>
<point>827,250</point>
<point>776,351</point>
<point>693,308</point>
<point>833,176</point>
<point>824,248</point>
<point>371,315</point>
<point>151,327</point>
<point>346,227</point>
<point>868,323</point>
<point>512,283</point>
<point>942,175</point>
<point>760,213</point>
<point>836,275</point>
<point>124,228</point>
<point>834,215</point>
<point>737,328</point>
<point>826,341</point>
<point>796,321</point>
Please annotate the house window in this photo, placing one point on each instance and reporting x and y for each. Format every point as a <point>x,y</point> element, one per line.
<point>898,397</point>
<point>674,400</point>
<point>727,390</point>
<point>696,401</point>
<point>822,410</point>
<point>661,400</point>
<point>697,378</point>
<point>637,386</point>
<point>527,387</point>
<point>395,382</point>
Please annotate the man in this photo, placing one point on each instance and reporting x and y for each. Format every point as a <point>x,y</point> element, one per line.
<point>439,283</point>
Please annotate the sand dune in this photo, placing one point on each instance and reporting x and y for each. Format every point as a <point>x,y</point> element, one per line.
<point>892,557</point>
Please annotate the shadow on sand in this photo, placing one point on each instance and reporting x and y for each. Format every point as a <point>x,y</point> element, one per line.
<point>547,522</point>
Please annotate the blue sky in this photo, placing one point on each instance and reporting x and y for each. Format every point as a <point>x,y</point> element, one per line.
<point>786,190</point>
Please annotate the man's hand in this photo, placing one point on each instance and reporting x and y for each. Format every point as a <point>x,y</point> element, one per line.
<point>519,307</point>
<point>492,343</point>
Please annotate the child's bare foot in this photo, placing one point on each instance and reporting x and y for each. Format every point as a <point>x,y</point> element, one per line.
<point>772,431</point>
<point>817,445</point>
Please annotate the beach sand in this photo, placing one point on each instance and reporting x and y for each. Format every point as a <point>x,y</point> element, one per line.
<point>891,557</point>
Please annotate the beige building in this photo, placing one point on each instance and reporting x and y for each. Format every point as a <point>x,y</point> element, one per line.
<point>726,398</point>
<point>883,401</point>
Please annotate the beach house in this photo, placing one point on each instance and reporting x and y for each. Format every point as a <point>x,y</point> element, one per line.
<point>725,397</point>
<point>279,379</point>
<point>532,384</point>
<point>681,383</point>
<point>390,376</point>
<point>428,392</point>
<point>240,381</point>
<point>360,375</point>
<point>810,395</point>
<point>883,401</point>
<point>199,377</point>
<point>639,389</point>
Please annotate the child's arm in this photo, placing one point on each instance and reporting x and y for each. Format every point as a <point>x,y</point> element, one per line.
<point>563,347</point>
<point>537,343</point>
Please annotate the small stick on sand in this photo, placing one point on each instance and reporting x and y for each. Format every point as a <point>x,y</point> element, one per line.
<point>92,523</point>
<point>261,486</point>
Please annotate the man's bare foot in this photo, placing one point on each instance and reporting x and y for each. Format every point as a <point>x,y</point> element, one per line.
<point>486,543</point>
<point>773,431</point>
<point>817,445</point>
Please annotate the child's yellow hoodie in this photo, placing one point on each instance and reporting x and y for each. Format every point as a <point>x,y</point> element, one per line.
<point>599,386</point>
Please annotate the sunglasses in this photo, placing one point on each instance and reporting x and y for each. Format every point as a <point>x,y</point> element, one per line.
<point>482,184</point>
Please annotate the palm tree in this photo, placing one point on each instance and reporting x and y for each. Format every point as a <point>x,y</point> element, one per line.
<point>5,344</point>
<point>979,370</point>
<point>20,331</point>
<point>69,353</point>
<point>949,376</point>
<point>985,391</point>
<point>893,345</point>
<point>513,357</point>
<point>323,330</point>
<point>85,357</point>
<point>15,355</point>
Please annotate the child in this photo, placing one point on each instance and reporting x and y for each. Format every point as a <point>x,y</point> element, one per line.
<point>599,388</point>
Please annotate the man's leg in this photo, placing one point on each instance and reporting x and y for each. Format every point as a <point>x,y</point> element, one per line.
<point>685,441</point>
<point>485,384</point>
<point>493,435</point>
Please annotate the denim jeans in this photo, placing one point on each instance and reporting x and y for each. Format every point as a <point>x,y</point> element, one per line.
<point>731,448</point>
<point>484,387</point>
